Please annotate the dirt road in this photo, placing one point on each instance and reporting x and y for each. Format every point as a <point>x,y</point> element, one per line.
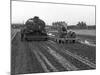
<point>45,56</point>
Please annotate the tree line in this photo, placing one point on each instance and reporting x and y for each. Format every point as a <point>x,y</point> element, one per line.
<point>79,25</point>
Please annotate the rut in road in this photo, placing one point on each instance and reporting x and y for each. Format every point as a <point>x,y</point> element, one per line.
<point>65,63</point>
<point>22,59</point>
<point>50,50</point>
<point>42,59</point>
<point>13,33</point>
<point>45,59</point>
<point>61,48</point>
<point>48,62</point>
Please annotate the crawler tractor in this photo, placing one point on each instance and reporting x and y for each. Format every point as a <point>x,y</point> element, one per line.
<point>34,30</point>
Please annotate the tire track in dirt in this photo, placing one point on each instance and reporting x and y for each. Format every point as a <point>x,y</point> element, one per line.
<point>66,64</point>
<point>61,48</point>
<point>22,60</point>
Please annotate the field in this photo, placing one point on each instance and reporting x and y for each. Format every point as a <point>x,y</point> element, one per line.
<point>85,32</point>
<point>89,35</point>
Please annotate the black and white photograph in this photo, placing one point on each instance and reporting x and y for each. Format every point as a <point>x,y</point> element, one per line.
<point>52,37</point>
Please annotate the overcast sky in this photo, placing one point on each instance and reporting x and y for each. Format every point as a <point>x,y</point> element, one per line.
<point>21,11</point>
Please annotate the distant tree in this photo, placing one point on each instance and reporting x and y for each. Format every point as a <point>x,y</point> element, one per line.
<point>82,25</point>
